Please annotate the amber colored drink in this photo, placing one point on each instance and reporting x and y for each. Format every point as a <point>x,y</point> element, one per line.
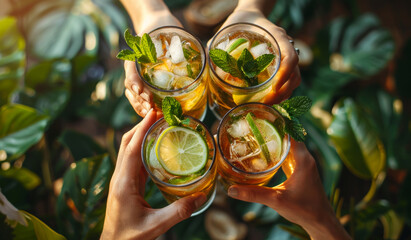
<point>227,91</point>
<point>180,70</point>
<point>241,159</point>
<point>172,186</point>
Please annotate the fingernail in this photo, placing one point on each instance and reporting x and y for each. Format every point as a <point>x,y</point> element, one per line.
<point>136,90</point>
<point>200,201</point>
<point>146,105</point>
<point>145,96</point>
<point>232,192</point>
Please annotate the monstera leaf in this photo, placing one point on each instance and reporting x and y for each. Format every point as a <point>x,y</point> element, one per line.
<point>12,58</point>
<point>292,14</point>
<point>20,128</point>
<point>82,196</point>
<point>356,141</point>
<point>359,46</point>
<point>36,229</point>
<point>62,28</point>
<point>46,87</point>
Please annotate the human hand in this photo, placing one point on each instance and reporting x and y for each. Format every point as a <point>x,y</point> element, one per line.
<point>288,76</point>
<point>128,215</point>
<point>146,16</point>
<point>300,199</point>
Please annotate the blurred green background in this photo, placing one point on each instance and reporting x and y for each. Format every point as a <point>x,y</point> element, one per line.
<point>63,111</point>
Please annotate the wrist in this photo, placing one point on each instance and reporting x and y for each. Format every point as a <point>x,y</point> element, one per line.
<point>326,227</point>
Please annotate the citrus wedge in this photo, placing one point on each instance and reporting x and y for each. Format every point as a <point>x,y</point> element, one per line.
<point>237,46</point>
<point>267,137</point>
<point>181,151</point>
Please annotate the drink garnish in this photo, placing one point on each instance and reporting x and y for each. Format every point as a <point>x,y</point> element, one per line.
<point>258,136</point>
<point>142,49</point>
<point>246,67</point>
<point>291,109</point>
<point>173,113</point>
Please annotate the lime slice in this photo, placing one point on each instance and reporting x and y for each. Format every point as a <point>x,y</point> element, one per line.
<point>181,151</point>
<point>266,135</point>
<point>235,48</point>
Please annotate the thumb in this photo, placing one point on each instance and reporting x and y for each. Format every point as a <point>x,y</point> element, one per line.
<point>268,196</point>
<point>181,209</point>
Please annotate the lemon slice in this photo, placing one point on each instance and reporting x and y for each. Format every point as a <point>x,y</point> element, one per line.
<point>251,97</point>
<point>267,137</point>
<point>181,151</point>
<point>237,47</point>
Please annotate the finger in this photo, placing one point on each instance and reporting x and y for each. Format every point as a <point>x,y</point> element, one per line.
<point>181,209</point>
<point>289,60</point>
<point>132,154</point>
<point>124,142</point>
<point>140,106</point>
<point>258,194</point>
<point>133,82</point>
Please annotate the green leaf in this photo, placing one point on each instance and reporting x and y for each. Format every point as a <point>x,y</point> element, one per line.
<point>131,40</point>
<point>20,128</point>
<point>27,178</point>
<point>250,69</point>
<point>264,61</point>
<point>297,106</point>
<point>126,55</point>
<point>80,145</point>
<point>85,185</point>
<point>189,52</point>
<point>12,60</point>
<point>225,61</point>
<point>172,111</point>
<point>244,57</point>
<point>190,71</point>
<point>58,30</point>
<point>393,225</point>
<point>366,220</point>
<point>47,87</point>
<point>36,229</point>
<point>295,129</point>
<point>357,143</point>
<point>148,48</point>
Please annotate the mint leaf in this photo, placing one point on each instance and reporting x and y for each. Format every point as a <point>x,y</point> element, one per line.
<point>250,69</point>
<point>263,61</point>
<point>148,48</point>
<point>131,40</point>
<point>291,109</point>
<point>190,71</point>
<point>245,56</point>
<point>226,62</point>
<point>172,111</point>
<point>190,53</point>
<point>126,55</point>
<point>297,106</point>
<point>295,129</point>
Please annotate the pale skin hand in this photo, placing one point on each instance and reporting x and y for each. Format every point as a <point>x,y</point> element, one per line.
<point>146,16</point>
<point>128,215</point>
<point>300,199</point>
<point>288,76</point>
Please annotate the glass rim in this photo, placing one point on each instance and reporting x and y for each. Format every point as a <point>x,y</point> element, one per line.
<point>202,50</point>
<point>233,166</point>
<point>252,87</point>
<point>180,185</point>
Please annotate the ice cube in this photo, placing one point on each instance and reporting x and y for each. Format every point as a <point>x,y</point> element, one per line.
<point>163,79</point>
<point>176,50</point>
<point>258,164</point>
<point>158,175</point>
<point>159,47</point>
<point>259,50</point>
<point>181,69</point>
<point>221,73</point>
<point>167,55</point>
<point>243,149</point>
<point>223,45</point>
<point>182,81</point>
<point>239,129</point>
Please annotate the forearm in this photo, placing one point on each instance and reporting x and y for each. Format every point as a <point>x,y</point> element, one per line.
<point>326,228</point>
<point>264,6</point>
<point>144,10</point>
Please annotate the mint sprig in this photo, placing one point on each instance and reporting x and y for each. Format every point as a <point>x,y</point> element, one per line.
<point>142,49</point>
<point>291,109</point>
<point>246,67</point>
<point>172,112</point>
